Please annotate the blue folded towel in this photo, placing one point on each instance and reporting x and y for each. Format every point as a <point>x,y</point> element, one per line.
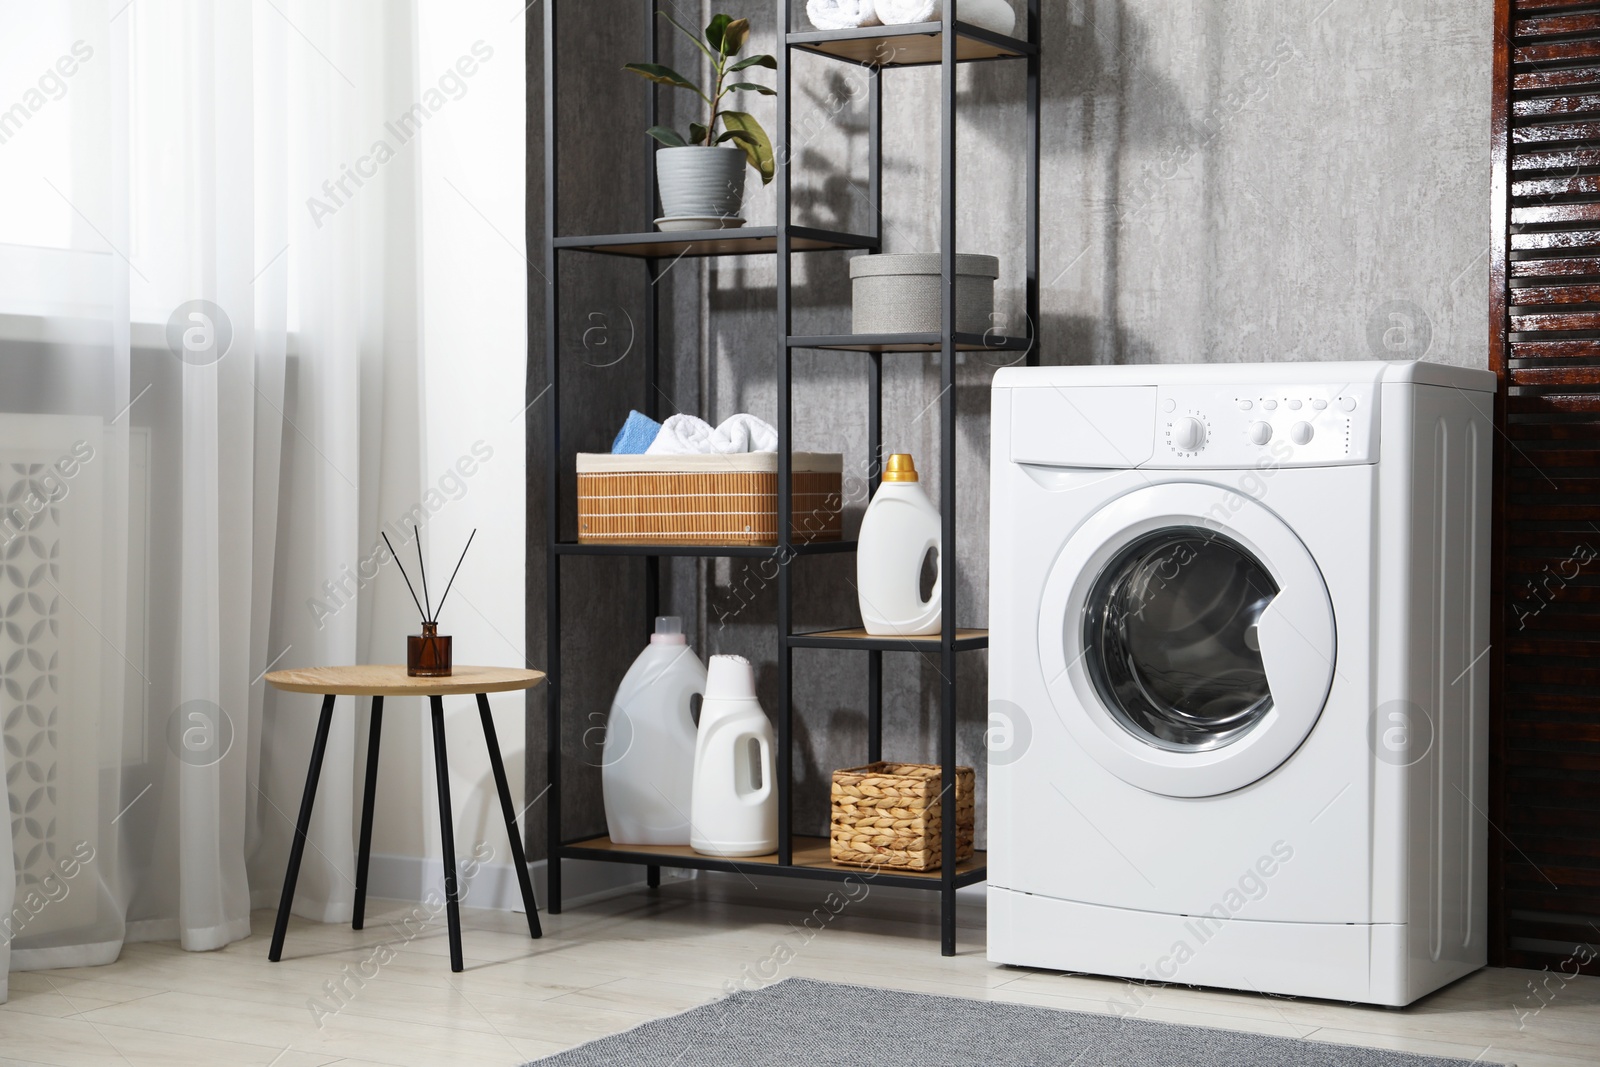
<point>636,435</point>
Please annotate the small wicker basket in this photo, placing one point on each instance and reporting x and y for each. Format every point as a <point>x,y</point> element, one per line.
<point>706,500</point>
<point>888,815</point>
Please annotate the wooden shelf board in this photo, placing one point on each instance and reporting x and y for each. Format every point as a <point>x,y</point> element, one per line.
<point>916,45</point>
<point>856,633</point>
<point>745,241</point>
<point>857,637</point>
<point>810,853</point>
<point>911,342</point>
<point>664,548</point>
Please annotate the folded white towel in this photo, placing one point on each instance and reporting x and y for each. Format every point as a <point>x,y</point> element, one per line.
<point>686,435</point>
<point>841,14</point>
<point>996,16</point>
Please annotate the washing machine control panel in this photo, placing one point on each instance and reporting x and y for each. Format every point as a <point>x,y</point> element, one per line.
<point>1289,426</point>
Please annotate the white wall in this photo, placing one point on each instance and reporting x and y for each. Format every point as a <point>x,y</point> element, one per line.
<point>474,345</point>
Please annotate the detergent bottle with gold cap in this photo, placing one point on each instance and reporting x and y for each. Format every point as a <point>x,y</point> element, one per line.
<point>898,531</point>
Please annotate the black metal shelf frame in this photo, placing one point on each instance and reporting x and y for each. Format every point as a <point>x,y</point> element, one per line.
<point>915,45</point>
<point>946,44</point>
<point>798,548</point>
<point>579,849</point>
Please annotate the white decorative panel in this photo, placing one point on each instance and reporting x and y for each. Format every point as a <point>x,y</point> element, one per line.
<point>52,536</point>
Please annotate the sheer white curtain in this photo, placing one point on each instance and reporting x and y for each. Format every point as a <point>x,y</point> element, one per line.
<point>208,309</point>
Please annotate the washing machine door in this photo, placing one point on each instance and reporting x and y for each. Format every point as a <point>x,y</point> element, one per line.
<point>1187,639</point>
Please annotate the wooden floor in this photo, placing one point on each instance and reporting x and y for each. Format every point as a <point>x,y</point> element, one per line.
<point>611,965</point>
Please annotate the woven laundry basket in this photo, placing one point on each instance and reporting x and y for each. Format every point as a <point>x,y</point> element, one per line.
<point>889,815</point>
<point>705,500</point>
<point>905,294</point>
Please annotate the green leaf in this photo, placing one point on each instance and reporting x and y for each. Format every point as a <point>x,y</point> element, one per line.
<point>668,136</point>
<point>754,61</point>
<point>697,133</point>
<point>662,75</point>
<point>716,29</point>
<point>734,36</point>
<point>752,87</point>
<point>689,34</point>
<point>738,135</point>
<point>758,149</point>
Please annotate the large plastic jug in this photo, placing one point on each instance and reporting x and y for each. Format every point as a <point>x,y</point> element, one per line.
<point>735,810</point>
<point>897,531</point>
<point>647,771</point>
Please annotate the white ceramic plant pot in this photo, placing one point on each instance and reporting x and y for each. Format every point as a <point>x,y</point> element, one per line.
<point>701,182</point>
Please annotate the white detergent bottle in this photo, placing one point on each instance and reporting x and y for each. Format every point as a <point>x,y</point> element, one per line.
<point>647,771</point>
<point>735,811</point>
<point>899,528</point>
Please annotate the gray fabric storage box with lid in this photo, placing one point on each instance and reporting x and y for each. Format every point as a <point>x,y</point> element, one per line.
<point>904,293</point>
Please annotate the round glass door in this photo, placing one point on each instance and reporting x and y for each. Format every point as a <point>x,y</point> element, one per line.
<point>1171,639</point>
<point>1186,638</point>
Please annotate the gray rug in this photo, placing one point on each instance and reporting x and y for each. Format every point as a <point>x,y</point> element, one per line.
<point>801,1023</point>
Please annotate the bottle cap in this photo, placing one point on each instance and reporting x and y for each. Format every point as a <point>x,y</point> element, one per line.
<point>900,468</point>
<point>669,631</point>
<point>730,678</point>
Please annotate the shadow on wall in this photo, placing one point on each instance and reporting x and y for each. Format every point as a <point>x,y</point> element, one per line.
<point>832,198</point>
<point>1121,127</point>
<point>1075,340</point>
<point>1095,71</point>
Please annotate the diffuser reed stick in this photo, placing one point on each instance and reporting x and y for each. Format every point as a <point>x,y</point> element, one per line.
<point>404,575</point>
<point>452,582</point>
<point>427,612</point>
<point>430,616</point>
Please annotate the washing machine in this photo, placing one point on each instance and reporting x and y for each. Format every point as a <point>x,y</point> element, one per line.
<point>1239,676</point>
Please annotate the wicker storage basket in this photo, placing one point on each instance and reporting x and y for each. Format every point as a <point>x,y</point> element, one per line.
<point>888,815</point>
<point>705,500</point>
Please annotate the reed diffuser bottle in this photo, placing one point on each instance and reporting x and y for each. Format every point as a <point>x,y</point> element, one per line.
<point>428,654</point>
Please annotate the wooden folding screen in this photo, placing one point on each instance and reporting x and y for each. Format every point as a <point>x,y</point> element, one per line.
<point>1545,346</point>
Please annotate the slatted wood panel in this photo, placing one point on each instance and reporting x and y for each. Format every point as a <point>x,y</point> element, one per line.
<point>1545,345</point>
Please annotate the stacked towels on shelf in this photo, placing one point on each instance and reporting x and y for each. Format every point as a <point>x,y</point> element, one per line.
<point>841,14</point>
<point>995,16</point>
<point>685,435</point>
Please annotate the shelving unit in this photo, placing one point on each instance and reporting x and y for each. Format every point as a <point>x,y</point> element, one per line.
<point>947,44</point>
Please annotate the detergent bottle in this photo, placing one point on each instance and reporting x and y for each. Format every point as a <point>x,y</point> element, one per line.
<point>897,531</point>
<point>647,765</point>
<point>735,810</point>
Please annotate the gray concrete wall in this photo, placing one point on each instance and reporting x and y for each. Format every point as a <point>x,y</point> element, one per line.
<point>1224,180</point>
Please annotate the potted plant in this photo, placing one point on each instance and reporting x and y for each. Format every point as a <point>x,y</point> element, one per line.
<point>701,176</point>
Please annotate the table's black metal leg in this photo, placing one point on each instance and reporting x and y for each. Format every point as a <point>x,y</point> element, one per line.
<point>367,797</point>
<point>447,835</point>
<point>302,826</point>
<point>652,876</point>
<point>518,860</point>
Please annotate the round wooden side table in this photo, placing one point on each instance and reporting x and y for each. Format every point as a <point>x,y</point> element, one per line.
<point>378,682</point>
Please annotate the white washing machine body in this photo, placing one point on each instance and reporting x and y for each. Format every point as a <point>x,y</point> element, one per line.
<point>1238,691</point>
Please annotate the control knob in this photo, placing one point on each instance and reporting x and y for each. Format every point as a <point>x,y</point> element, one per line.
<point>1260,433</point>
<point>1301,433</point>
<point>1188,434</point>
